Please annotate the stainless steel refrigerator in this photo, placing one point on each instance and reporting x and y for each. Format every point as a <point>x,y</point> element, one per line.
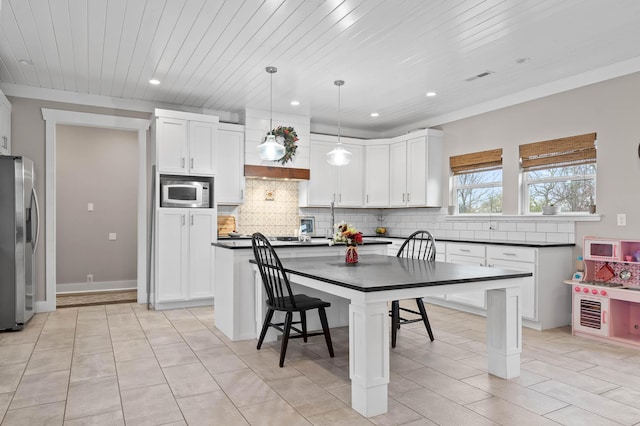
<point>19,230</point>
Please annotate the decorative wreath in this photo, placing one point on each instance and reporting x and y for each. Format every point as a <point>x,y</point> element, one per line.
<point>290,138</point>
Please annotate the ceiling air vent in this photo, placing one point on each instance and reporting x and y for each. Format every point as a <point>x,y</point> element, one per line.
<point>482,74</point>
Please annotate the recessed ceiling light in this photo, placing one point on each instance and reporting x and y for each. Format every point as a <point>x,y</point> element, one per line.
<point>295,103</point>
<point>154,81</point>
<point>26,61</point>
<point>374,114</point>
<point>430,94</point>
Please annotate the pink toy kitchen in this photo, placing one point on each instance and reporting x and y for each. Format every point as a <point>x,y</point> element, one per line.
<point>606,291</point>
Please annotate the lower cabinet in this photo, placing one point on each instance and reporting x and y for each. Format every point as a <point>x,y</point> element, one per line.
<point>518,259</point>
<point>467,254</point>
<point>185,255</point>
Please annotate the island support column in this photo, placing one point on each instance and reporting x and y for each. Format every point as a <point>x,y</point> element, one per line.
<point>369,357</point>
<point>504,331</point>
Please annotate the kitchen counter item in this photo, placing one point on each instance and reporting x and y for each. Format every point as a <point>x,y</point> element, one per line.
<point>226,225</point>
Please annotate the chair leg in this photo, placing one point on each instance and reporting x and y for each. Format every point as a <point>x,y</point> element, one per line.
<point>425,319</point>
<point>325,329</point>
<point>265,327</point>
<point>285,337</point>
<point>303,323</point>
<point>395,321</point>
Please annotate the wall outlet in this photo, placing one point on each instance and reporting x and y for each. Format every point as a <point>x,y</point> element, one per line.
<point>90,207</point>
<point>89,279</point>
<point>622,219</point>
<point>112,236</point>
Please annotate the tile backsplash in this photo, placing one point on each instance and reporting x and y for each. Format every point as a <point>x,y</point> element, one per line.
<point>270,207</point>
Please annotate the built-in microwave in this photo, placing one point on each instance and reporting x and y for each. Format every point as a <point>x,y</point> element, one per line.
<point>186,191</point>
<point>601,249</point>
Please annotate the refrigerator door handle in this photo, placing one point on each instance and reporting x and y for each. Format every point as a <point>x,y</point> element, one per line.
<point>34,196</point>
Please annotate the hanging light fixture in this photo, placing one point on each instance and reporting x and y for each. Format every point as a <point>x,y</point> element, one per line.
<point>270,149</point>
<point>338,156</point>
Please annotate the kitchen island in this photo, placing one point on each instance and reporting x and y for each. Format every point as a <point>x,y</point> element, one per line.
<point>234,289</point>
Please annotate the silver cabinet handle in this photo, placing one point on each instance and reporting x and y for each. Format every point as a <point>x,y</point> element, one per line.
<point>408,197</point>
<point>509,254</point>
<point>182,162</point>
<point>182,219</point>
<point>242,194</point>
<point>403,197</point>
<point>367,198</point>
<point>465,250</point>
<point>340,198</point>
<point>191,220</point>
<point>192,163</point>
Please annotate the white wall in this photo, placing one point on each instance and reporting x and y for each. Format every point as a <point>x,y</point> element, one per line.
<point>611,109</point>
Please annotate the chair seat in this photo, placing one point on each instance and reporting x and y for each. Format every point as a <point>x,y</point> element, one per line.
<point>302,301</point>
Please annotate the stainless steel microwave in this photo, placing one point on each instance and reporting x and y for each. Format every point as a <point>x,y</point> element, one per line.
<point>186,191</point>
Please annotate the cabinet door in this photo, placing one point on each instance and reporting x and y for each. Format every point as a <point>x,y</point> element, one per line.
<point>172,145</point>
<point>321,186</point>
<point>376,177</point>
<point>229,167</point>
<point>173,254</point>
<point>201,232</point>
<point>397,174</point>
<point>350,190</point>
<point>473,298</point>
<point>528,289</point>
<point>416,171</point>
<point>202,147</point>
<point>5,127</point>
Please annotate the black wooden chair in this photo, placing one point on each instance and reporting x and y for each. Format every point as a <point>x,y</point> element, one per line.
<point>419,245</point>
<point>280,298</point>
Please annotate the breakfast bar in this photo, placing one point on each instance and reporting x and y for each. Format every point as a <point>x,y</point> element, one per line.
<point>377,279</point>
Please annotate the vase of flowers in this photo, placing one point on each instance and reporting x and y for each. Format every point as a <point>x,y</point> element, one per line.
<point>351,237</point>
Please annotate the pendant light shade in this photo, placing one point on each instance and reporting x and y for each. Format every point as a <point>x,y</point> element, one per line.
<point>338,156</point>
<point>271,150</point>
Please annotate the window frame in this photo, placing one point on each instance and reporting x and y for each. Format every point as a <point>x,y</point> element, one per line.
<point>495,184</point>
<point>526,182</point>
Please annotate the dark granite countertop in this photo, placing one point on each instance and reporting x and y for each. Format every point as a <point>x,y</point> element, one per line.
<point>245,243</point>
<point>378,273</point>
<point>496,242</point>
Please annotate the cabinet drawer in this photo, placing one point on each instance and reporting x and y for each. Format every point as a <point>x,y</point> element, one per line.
<point>517,254</point>
<point>475,250</point>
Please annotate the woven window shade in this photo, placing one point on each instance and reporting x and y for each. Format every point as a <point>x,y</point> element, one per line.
<point>476,161</point>
<point>562,152</point>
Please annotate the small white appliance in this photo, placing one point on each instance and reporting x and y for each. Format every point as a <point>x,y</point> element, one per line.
<point>601,249</point>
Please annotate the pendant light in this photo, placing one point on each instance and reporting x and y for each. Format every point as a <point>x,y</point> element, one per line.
<point>270,149</point>
<point>338,156</point>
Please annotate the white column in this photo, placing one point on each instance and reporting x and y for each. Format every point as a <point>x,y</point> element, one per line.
<point>369,357</point>
<point>504,331</point>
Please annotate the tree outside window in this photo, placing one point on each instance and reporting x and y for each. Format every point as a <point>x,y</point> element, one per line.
<point>479,192</point>
<point>573,188</point>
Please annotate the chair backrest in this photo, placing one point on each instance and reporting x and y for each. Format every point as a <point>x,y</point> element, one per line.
<point>274,279</point>
<point>419,245</point>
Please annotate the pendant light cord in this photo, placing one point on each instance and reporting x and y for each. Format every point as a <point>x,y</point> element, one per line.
<point>339,83</point>
<point>271,107</point>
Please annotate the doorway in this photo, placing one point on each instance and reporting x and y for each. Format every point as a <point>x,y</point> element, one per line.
<point>52,119</point>
<point>96,194</point>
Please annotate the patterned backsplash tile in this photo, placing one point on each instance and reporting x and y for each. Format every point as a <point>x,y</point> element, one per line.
<point>270,207</point>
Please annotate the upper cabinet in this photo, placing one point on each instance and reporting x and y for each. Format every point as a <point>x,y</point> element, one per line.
<point>376,175</point>
<point>230,164</point>
<point>5,125</point>
<point>343,185</point>
<point>186,143</point>
<point>416,171</point>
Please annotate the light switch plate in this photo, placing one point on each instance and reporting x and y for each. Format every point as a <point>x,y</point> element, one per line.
<point>622,219</point>
<point>90,207</point>
<point>112,236</point>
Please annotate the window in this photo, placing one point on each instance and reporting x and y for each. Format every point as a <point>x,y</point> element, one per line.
<point>560,172</point>
<point>477,181</point>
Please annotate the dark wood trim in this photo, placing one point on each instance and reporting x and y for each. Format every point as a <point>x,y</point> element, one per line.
<point>276,172</point>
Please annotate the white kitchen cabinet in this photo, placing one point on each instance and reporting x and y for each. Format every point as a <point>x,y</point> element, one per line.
<point>185,255</point>
<point>230,165</point>
<point>186,146</point>
<point>467,254</point>
<point>415,171</point>
<point>376,175</point>
<point>341,184</point>
<point>517,259</point>
<point>5,125</point>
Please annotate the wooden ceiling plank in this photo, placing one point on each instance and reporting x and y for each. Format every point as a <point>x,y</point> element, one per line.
<point>43,22</point>
<point>64,43</point>
<point>78,19</point>
<point>112,40</point>
<point>96,27</point>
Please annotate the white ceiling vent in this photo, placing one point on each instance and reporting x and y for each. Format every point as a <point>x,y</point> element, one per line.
<point>482,74</point>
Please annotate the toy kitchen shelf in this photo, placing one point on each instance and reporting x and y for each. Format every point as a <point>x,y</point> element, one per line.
<point>606,303</point>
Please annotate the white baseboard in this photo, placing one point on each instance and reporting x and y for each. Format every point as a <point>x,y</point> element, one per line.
<point>96,286</point>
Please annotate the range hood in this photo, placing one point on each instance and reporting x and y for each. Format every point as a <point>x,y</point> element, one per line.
<point>269,172</point>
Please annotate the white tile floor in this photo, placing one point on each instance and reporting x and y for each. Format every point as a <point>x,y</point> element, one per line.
<point>122,364</point>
